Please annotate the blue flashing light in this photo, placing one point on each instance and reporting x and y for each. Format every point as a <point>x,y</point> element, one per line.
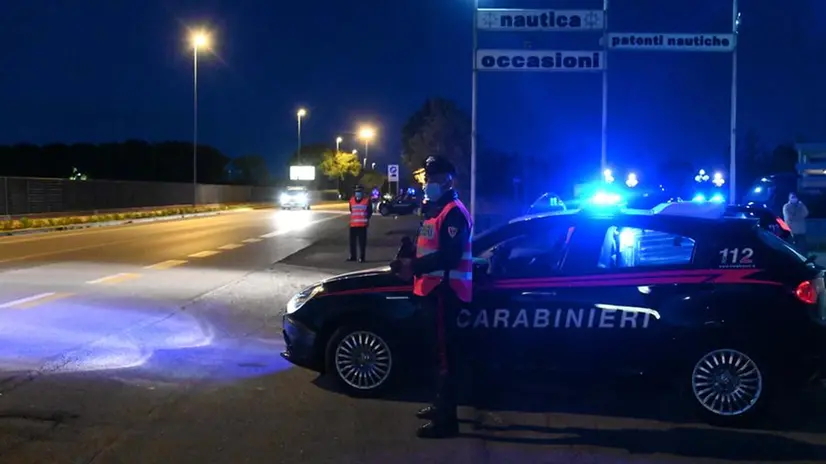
<point>606,199</point>
<point>717,198</point>
<point>718,179</point>
<point>699,198</point>
<point>608,176</point>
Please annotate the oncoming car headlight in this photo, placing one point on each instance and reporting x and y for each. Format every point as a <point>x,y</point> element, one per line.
<point>284,198</point>
<point>301,298</point>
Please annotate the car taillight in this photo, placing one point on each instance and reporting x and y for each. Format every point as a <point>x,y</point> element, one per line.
<point>806,292</point>
<point>783,225</point>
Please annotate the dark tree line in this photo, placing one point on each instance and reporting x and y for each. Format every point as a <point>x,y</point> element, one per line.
<point>133,160</point>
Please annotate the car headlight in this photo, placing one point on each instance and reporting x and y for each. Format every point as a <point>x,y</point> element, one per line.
<point>301,298</point>
<point>284,198</point>
<point>302,197</point>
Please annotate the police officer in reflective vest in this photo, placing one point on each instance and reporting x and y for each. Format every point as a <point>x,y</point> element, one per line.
<point>442,273</point>
<point>360,213</point>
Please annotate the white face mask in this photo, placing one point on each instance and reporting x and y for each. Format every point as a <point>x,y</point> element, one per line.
<point>432,191</point>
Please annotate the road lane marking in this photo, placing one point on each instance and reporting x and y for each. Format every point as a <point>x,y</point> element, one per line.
<point>166,264</point>
<point>114,278</point>
<point>204,254</point>
<point>294,229</point>
<point>230,246</point>
<point>251,240</point>
<point>34,300</point>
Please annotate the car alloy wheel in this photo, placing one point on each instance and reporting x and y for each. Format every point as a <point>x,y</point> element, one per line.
<point>727,382</point>
<point>363,360</point>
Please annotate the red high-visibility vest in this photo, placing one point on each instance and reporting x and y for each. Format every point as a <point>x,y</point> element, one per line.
<point>459,279</point>
<point>358,212</point>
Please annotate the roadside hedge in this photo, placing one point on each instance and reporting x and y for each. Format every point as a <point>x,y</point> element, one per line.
<point>64,221</point>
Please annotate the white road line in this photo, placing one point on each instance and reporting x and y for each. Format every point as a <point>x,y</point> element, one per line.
<point>166,264</point>
<point>230,246</point>
<point>294,229</point>
<point>252,240</point>
<point>27,299</point>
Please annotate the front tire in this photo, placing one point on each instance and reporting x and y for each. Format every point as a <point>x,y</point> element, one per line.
<point>360,358</point>
<point>729,387</point>
<point>384,210</point>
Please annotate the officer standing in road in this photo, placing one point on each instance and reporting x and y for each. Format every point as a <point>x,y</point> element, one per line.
<point>442,272</point>
<point>360,213</point>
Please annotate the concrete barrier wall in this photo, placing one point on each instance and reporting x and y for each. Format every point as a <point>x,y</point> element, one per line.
<point>22,195</point>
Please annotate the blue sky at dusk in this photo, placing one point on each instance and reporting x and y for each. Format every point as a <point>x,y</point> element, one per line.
<point>102,70</point>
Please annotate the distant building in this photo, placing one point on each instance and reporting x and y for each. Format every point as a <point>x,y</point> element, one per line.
<point>811,166</point>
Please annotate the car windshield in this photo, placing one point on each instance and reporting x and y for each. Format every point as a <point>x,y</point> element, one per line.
<point>780,245</point>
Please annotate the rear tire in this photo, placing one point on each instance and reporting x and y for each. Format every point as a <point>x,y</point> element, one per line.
<point>728,387</point>
<point>360,358</point>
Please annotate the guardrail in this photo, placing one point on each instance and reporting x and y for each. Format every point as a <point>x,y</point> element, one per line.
<point>27,196</point>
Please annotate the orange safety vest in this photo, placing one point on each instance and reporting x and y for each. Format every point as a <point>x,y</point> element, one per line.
<point>459,279</point>
<point>358,212</point>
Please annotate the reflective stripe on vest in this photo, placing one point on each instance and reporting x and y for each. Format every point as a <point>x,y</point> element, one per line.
<point>358,212</point>
<point>460,279</point>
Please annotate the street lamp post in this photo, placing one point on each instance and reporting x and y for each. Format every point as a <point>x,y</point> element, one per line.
<point>367,134</point>
<point>338,144</point>
<point>300,114</point>
<point>199,40</point>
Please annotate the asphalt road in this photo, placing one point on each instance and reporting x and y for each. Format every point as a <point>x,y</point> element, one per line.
<point>159,343</point>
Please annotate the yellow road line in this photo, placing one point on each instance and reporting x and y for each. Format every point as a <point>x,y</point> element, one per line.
<point>114,278</point>
<point>35,300</point>
<point>166,264</point>
<point>230,246</point>
<point>252,240</point>
<point>204,254</point>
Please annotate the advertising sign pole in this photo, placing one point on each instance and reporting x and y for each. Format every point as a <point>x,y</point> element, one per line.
<point>604,149</point>
<point>473,115</point>
<point>735,25</point>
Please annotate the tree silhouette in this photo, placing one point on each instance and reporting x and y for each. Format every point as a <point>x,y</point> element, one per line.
<point>134,160</point>
<point>371,178</point>
<point>438,128</point>
<point>249,170</point>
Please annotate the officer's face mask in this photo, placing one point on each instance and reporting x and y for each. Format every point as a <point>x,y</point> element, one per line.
<point>432,191</point>
<point>358,196</point>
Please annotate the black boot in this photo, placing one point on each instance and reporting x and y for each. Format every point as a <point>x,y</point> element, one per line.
<point>351,259</point>
<point>427,413</point>
<point>439,429</point>
<point>361,260</point>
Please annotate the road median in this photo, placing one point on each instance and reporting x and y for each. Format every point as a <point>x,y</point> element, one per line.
<point>24,225</point>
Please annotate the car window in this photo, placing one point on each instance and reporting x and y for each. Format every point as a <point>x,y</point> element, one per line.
<point>778,244</point>
<point>536,253</point>
<point>632,247</point>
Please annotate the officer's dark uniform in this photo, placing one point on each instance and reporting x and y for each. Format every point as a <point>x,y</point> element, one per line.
<point>360,212</point>
<point>442,272</point>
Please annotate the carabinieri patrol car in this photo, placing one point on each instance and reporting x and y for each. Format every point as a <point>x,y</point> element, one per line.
<point>723,308</point>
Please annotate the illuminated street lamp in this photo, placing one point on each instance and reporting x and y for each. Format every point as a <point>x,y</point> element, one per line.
<point>300,114</point>
<point>338,144</point>
<point>632,180</point>
<point>199,40</point>
<point>367,134</point>
<point>608,176</point>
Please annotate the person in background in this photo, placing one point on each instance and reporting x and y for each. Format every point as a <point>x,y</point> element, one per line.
<point>795,214</point>
<point>360,213</point>
<point>441,267</point>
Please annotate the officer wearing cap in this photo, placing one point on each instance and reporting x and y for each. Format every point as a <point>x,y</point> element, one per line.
<point>360,213</point>
<point>442,277</point>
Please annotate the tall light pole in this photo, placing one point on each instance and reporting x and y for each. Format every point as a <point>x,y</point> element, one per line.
<point>367,134</point>
<point>338,144</point>
<point>199,40</point>
<point>300,114</point>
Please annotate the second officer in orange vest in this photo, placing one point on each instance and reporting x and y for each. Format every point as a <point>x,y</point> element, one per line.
<point>360,212</point>
<point>442,272</point>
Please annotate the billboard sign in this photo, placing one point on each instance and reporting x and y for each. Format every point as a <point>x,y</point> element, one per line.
<point>302,172</point>
<point>504,19</point>
<point>539,60</point>
<point>671,42</point>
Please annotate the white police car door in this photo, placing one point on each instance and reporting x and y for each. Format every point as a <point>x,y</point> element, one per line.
<point>625,270</point>
<point>513,306</point>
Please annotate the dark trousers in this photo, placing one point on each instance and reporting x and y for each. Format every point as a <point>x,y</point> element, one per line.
<point>358,235</point>
<point>464,359</point>
<point>801,244</point>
